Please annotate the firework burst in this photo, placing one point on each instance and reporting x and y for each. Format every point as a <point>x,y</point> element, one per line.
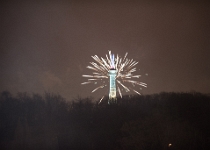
<point>123,67</point>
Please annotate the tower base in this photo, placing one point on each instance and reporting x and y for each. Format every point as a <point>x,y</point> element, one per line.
<point>112,101</point>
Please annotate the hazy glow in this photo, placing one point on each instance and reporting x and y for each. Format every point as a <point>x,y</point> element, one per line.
<point>124,72</point>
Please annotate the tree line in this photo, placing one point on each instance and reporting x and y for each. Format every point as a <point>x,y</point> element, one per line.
<point>150,122</point>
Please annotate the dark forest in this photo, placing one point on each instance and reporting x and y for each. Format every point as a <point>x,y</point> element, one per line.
<point>176,121</point>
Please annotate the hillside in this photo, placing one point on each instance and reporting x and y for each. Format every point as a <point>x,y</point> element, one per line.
<point>150,122</point>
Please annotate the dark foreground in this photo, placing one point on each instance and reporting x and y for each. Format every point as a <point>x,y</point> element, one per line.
<point>176,121</point>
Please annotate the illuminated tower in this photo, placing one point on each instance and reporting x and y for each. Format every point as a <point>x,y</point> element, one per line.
<point>112,87</point>
<point>119,70</point>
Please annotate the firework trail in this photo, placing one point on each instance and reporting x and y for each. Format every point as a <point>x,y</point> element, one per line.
<point>124,73</point>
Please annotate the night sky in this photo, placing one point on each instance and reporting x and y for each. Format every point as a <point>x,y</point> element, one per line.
<point>46,46</point>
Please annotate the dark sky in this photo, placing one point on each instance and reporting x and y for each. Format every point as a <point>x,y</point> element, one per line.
<point>46,46</point>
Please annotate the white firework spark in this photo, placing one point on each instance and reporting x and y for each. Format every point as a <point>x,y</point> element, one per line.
<point>124,72</point>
